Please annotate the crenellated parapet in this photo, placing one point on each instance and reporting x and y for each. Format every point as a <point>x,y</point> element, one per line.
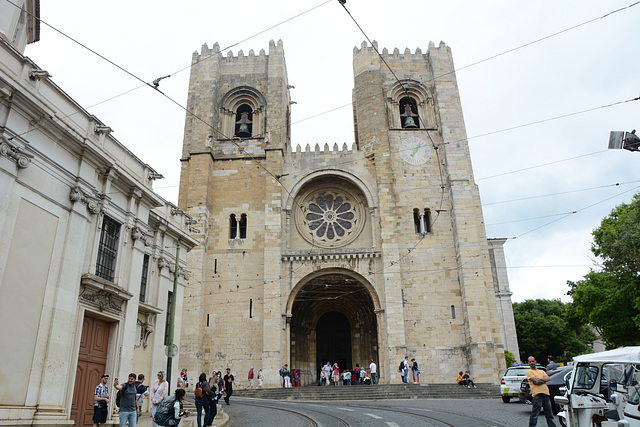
<point>324,148</point>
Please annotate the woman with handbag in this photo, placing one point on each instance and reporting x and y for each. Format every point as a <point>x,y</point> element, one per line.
<point>203,398</point>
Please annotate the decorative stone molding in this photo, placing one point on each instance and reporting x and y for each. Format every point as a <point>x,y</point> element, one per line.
<point>147,329</point>
<point>14,152</point>
<point>102,129</point>
<point>185,273</point>
<point>77,195</point>
<point>102,295</point>
<point>138,234</point>
<point>36,74</point>
<point>162,263</point>
<point>155,175</point>
<point>330,257</point>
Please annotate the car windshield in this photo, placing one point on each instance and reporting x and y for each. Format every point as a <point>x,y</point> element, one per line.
<point>516,371</point>
<point>585,377</point>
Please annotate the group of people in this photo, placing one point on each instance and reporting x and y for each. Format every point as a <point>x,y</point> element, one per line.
<point>331,374</point>
<point>464,379</point>
<point>285,373</point>
<point>404,368</point>
<point>130,400</point>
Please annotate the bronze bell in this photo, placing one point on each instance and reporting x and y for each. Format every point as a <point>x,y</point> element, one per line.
<point>410,123</point>
<point>243,131</point>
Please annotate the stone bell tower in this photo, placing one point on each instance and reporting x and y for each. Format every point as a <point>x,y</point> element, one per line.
<point>233,146</point>
<point>440,294</point>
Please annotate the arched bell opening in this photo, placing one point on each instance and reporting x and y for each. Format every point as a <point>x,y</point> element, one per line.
<point>332,318</point>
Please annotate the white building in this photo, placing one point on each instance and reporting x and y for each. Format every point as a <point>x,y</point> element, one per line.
<point>87,249</point>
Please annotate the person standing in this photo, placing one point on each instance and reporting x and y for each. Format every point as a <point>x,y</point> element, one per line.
<point>405,369</point>
<point>160,390</point>
<point>282,374</point>
<point>540,392</point>
<point>260,378</point>
<point>229,382</point>
<point>203,402</point>
<point>216,391</point>
<point>327,372</point>
<point>101,402</point>
<point>141,390</point>
<point>250,378</point>
<point>129,409</point>
<point>551,365</point>
<point>286,374</point>
<point>356,375</point>
<point>416,371</point>
<point>372,371</point>
<point>336,374</point>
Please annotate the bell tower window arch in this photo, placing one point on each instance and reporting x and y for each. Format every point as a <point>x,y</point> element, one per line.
<point>410,106</point>
<point>242,113</point>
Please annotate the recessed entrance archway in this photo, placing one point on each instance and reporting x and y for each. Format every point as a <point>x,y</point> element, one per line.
<point>332,318</point>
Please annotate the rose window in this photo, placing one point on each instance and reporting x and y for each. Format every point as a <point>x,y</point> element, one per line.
<point>330,217</point>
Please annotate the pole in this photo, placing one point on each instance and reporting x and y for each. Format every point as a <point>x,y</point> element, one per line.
<point>173,315</point>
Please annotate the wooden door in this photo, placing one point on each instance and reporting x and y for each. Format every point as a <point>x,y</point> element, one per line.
<point>92,361</point>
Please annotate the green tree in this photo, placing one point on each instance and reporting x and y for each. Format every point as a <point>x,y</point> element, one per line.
<point>609,298</point>
<point>544,327</point>
<point>509,358</point>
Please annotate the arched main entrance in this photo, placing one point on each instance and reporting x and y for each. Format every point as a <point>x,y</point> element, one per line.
<point>332,318</point>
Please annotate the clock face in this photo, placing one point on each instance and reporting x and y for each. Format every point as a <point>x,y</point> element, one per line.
<point>414,150</point>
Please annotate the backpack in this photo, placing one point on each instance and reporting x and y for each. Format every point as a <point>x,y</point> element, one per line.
<point>401,367</point>
<point>119,394</point>
<point>198,392</point>
<point>165,412</point>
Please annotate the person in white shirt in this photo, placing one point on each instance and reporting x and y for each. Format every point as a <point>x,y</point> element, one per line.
<point>372,371</point>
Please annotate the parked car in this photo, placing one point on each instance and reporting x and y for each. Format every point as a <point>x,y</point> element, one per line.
<point>510,383</point>
<point>557,380</point>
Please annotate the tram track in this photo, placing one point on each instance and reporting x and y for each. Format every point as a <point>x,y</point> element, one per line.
<point>435,417</point>
<point>312,422</point>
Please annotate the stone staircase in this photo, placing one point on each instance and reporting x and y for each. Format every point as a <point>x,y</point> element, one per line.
<point>374,392</point>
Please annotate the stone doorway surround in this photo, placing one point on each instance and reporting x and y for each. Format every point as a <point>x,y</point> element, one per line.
<point>320,303</point>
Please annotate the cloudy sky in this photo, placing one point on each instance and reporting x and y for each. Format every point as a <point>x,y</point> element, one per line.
<point>542,84</point>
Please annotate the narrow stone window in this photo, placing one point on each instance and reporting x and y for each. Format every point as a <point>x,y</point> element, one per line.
<point>233,226</point>
<point>409,118</point>
<point>243,226</point>
<point>208,319</point>
<point>108,249</point>
<point>143,280</point>
<point>426,220</point>
<point>416,221</point>
<point>215,266</point>
<point>453,312</point>
<point>244,121</point>
<point>250,308</point>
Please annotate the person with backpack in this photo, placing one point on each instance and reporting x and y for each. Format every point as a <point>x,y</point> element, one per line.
<point>203,399</point>
<point>127,400</point>
<point>171,410</point>
<point>416,371</point>
<point>141,390</point>
<point>160,390</point>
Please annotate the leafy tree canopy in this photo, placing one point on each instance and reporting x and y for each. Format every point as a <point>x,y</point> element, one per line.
<point>609,298</point>
<point>545,328</point>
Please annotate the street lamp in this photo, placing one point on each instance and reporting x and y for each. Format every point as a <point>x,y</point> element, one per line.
<point>626,140</point>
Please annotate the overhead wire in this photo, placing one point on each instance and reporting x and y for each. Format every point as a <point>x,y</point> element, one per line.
<point>147,84</point>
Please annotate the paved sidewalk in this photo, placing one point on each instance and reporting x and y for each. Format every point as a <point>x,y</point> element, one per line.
<point>221,419</point>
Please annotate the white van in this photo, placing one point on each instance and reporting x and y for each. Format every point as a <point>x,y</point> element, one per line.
<point>603,390</point>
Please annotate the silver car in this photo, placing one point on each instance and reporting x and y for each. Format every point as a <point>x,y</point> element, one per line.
<point>510,383</point>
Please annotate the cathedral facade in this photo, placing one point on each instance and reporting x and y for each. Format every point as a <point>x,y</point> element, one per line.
<point>352,255</point>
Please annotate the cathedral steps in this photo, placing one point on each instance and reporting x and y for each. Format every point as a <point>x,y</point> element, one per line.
<point>374,392</point>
